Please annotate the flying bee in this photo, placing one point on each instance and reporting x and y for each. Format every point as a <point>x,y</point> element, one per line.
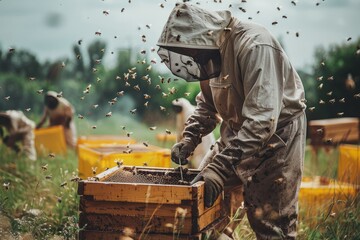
<point>117,78</point>
<point>6,185</point>
<point>147,96</point>
<point>82,98</point>
<point>145,144</point>
<point>128,151</point>
<point>321,102</point>
<point>98,61</point>
<point>321,85</point>
<point>143,52</point>
<point>98,33</point>
<point>75,179</point>
<point>98,79</point>
<point>165,95</point>
<point>63,184</point>
<point>127,84</point>
<point>32,78</point>
<point>52,155</point>
<point>311,109</point>
<point>40,91</point>
<point>148,68</point>
<point>172,90</point>
<point>146,77</point>
<point>148,26</point>
<point>320,78</point>
<point>94,70</point>
<point>120,93</point>
<point>274,23</point>
<point>162,108</point>
<point>95,106</point>
<point>342,100</point>
<point>187,94</point>
<point>168,131</point>
<point>210,32</point>
<point>153,61</point>
<point>44,167</point>
<point>133,111</point>
<point>157,87</point>
<point>119,162</point>
<point>330,78</point>
<point>146,104</point>
<point>48,177</point>
<point>93,127</point>
<point>152,128</point>
<point>225,77</point>
<point>59,95</point>
<point>59,199</point>
<point>106,12</point>
<point>108,114</point>
<point>332,101</point>
<point>227,29</point>
<point>128,134</point>
<point>28,109</point>
<point>340,114</point>
<point>329,93</point>
<point>11,50</point>
<point>137,88</point>
<point>93,169</point>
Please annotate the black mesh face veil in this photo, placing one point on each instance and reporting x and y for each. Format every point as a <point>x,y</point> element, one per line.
<point>203,65</point>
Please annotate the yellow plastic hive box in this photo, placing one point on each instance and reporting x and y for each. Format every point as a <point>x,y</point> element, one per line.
<point>50,140</point>
<point>104,139</point>
<point>320,195</point>
<point>103,156</point>
<point>349,164</point>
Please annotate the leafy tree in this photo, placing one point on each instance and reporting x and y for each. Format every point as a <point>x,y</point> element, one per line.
<point>334,87</point>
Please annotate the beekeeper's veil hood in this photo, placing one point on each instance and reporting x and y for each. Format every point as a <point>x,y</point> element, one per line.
<point>189,43</point>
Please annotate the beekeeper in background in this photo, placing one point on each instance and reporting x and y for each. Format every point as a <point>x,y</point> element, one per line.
<point>59,111</point>
<point>19,128</point>
<point>246,78</point>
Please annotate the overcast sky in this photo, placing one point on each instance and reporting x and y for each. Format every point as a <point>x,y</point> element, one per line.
<point>49,28</point>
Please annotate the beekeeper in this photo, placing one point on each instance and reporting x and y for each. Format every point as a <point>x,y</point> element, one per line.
<point>246,78</point>
<point>60,112</point>
<point>19,129</point>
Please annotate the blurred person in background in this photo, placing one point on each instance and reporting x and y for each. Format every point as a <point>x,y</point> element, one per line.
<point>59,111</point>
<point>19,129</point>
<point>246,78</point>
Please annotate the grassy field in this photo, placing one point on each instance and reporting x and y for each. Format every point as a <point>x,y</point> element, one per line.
<point>38,200</point>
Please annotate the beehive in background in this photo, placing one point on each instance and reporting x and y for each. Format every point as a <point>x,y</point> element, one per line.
<point>349,164</point>
<point>50,140</point>
<point>336,130</point>
<point>144,203</point>
<point>104,139</point>
<point>103,156</point>
<point>320,195</point>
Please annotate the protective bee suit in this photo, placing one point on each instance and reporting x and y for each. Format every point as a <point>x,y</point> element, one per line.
<point>184,109</point>
<point>20,128</point>
<point>247,79</point>
<point>60,112</point>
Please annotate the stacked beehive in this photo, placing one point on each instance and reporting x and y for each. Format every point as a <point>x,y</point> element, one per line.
<point>144,203</point>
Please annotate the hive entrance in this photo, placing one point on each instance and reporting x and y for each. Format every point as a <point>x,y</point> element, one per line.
<point>153,176</point>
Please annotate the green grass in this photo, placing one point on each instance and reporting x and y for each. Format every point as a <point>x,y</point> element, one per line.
<point>41,199</point>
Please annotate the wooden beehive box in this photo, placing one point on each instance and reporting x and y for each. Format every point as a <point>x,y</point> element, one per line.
<point>333,131</point>
<point>104,156</point>
<point>144,203</point>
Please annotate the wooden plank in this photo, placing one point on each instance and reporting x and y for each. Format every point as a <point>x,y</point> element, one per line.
<point>130,208</point>
<point>151,223</point>
<point>130,192</point>
<point>100,235</point>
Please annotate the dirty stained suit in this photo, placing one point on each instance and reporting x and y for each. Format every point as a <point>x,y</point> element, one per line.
<point>249,81</point>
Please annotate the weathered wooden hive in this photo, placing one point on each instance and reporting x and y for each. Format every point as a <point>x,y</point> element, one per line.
<point>144,203</point>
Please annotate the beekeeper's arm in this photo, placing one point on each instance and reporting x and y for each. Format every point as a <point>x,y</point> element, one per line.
<point>43,119</point>
<point>202,122</point>
<point>263,76</point>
